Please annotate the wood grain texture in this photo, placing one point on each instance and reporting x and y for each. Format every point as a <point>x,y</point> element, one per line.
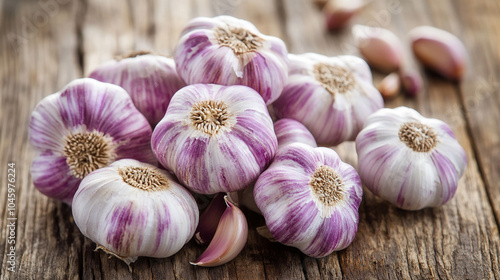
<point>40,54</point>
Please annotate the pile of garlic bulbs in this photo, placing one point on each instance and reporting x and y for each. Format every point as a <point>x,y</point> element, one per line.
<point>128,147</point>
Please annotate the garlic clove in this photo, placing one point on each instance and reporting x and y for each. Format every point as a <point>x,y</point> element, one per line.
<point>228,51</point>
<point>412,83</point>
<point>229,239</point>
<point>310,199</point>
<point>389,86</point>
<point>133,209</point>
<point>210,219</point>
<point>339,12</point>
<point>330,96</point>
<point>380,47</point>
<point>86,126</point>
<point>409,160</point>
<point>291,131</point>
<point>215,138</point>
<point>439,51</point>
<point>151,80</point>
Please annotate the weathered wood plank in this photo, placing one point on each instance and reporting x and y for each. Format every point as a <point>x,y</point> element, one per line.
<point>479,92</point>
<point>38,56</point>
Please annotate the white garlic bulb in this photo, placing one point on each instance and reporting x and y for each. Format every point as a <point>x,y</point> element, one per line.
<point>411,161</point>
<point>215,138</point>
<point>133,209</point>
<point>85,126</point>
<point>228,51</point>
<point>151,80</point>
<point>310,199</point>
<point>331,96</point>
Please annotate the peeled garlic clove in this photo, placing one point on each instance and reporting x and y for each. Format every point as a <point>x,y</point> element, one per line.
<point>151,80</point>
<point>291,131</point>
<point>215,138</point>
<point>85,126</point>
<point>210,219</point>
<point>389,87</point>
<point>411,161</point>
<point>133,209</point>
<point>412,83</point>
<point>229,51</point>
<point>380,47</point>
<point>331,96</point>
<point>439,51</point>
<point>229,239</point>
<point>339,12</point>
<point>310,199</point>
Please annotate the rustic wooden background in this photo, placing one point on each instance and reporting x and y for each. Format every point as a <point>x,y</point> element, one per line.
<point>44,44</point>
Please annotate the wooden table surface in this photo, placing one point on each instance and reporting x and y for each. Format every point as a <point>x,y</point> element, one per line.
<point>45,44</point>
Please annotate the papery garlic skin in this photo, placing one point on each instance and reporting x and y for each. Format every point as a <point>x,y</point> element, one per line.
<point>291,131</point>
<point>331,96</point>
<point>411,161</point>
<point>310,199</point>
<point>133,209</point>
<point>229,51</point>
<point>439,51</point>
<point>151,81</point>
<point>215,138</point>
<point>85,126</point>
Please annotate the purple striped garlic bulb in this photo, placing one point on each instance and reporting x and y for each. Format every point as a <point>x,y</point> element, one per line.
<point>151,81</point>
<point>290,131</point>
<point>411,161</point>
<point>229,51</point>
<point>133,209</point>
<point>331,96</point>
<point>215,138</point>
<point>310,199</point>
<point>85,126</point>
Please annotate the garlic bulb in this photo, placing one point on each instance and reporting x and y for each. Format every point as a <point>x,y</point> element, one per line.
<point>411,161</point>
<point>133,209</point>
<point>229,51</point>
<point>151,81</point>
<point>215,138</point>
<point>310,199</point>
<point>331,96</point>
<point>290,131</point>
<point>85,126</point>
